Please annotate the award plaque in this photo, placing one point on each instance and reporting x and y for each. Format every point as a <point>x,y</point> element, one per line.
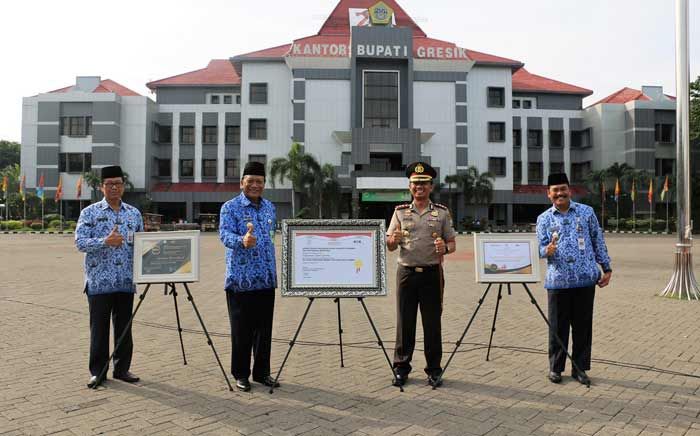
<point>166,257</point>
<point>508,258</point>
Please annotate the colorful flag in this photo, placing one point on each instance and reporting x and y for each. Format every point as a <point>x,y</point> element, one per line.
<point>617,190</point>
<point>650,194</point>
<point>21,187</point>
<point>59,190</point>
<point>665,190</point>
<point>602,189</point>
<point>40,188</point>
<point>79,186</point>
<point>633,194</point>
<point>5,185</point>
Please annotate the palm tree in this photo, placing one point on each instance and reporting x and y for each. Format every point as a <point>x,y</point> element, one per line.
<point>295,168</point>
<point>476,186</point>
<point>452,179</point>
<point>330,189</point>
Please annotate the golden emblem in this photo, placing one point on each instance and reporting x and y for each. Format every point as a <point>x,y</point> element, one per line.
<point>406,233</point>
<point>419,168</point>
<point>434,235</point>
<point>434,213</point>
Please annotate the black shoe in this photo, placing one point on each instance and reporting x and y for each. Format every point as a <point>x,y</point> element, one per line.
<point>400,380</point>
<point>93,383</point>
<point>581,377</point>
<point>435,380</point>
<point>126,377</point>
<point>243,384</point>
<point>554,377</point>
<point>267,381</point>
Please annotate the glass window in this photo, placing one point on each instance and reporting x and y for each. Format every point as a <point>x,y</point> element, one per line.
<point>76,126</point>
<point>556,138</point>
<point>381,99</point>
<point>664,133</point>
<point>556,167</point>
<point>497,132</point>
<point>209,135</point>
<point>62,165</point>
<point>262,158</point>
<point>516,104</point>
<point>534,138</point>
<point>238,98</point>
<point>258,93</point>
<point>232,168</point>
<point>527,104</point>
<point>517,172</point>
<point>164,167</point>
<point>496,97</point>
<point>517,137</point>
<point>534,173</point>
<point>186,135</point>
<point>214,99</point>
<point>87,162</point>
<point>257,128</point>
<point>497,166</point>
<point>186,167</point>
<point>579,171</point>
<point>233,135</point>
<point>75,162</point>
<point>208,167</point>
<point>228,99</point>
<point>165,134</point>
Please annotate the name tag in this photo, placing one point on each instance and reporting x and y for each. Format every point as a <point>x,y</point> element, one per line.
<point>581,244</point>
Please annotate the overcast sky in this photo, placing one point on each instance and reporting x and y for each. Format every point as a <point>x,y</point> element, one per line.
<point>602,45</point>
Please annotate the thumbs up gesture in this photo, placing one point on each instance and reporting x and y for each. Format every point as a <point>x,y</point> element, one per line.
<point>249,240</point>
<point>114,239</point>
<point>397,235</point>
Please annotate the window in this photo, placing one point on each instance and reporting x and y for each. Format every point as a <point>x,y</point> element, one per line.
<point>534,138</point>
<point>257,128</point>
<point>76,126</point>
<point>238,98</point>
<point>381,99</point>
<point>186,168</point>
<point>209,135</point>
<point>579,171</point>
<point>496,97</point>
<point>497,132</point>
<point>556,167</point>
<point>228,99</point>
<point>517,137</point>
<point>214,99</point>
<point>517,172</point>
<point>164,134</point>
<point>581,138</point>
<point>527,104</point>
<point>664,133</point>
<point>497,166</point>
<point>664,167</point>
<point>258,93</point>
<point>534,173</point>
<point>516,104</point>
<point>164,168</point>
<point>262,158</point>
<point>186,135</point>
<point>74,162</point>
<point>233,135</point>
<point>556,138</point>
<point>208,167</point>
<point>232,168</point>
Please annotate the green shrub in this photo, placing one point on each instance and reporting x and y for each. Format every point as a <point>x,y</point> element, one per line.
<point>37,226</point>
<point>12,225</point>
<point>49,217</point>
<point>56,224</point>
<point>69,224</point>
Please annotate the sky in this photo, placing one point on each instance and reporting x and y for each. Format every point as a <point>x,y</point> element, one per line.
<point>602,45</point>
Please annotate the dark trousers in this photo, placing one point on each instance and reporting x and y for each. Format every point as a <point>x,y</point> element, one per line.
<point>414,290</point>
<point>571,308</point>
<point>250,314</point>
<point>116,306</point>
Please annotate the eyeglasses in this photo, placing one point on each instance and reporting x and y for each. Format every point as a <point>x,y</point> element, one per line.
<point>111,185</point>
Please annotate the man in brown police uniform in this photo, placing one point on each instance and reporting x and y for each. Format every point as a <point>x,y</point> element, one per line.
<point>424,232</point>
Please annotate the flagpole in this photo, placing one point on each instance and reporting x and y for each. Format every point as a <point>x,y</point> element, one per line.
<point>602,210</point>
<point>667,231</point>
<point>60,212</point>
<point>42,213</point>
<point>682,284</point>
<point>617,216</point>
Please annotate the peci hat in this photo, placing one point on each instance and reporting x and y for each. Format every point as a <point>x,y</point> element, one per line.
<point>557,179</point>
<point>111,172</point>
<point>254,169</point>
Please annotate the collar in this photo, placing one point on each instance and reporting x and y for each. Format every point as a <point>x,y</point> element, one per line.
<point>245,202</point>
<point>430,206</point>
<point>572,207</point>
<point>102,204</point>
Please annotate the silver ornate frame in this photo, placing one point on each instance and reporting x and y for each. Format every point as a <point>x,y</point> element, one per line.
<point>375,225</point>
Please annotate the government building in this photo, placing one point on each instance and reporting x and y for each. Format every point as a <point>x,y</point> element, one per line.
<point>369,93</point>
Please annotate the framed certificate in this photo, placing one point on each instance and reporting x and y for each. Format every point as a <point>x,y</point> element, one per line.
<point>506,258</point>
<point>333,258</point>
<point>166,257</point>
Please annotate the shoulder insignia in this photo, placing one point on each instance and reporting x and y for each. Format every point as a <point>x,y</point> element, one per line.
<point>441,206</point>
<point>403,206</point>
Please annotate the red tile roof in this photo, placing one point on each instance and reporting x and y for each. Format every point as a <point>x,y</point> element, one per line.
<point>626,95</point>
<point>196,187</point>
<point>485,58</point>
<point>338,22</point>
<point>106,85</point>
<point>525,81</point>
<point>273,52</point>
<point>218,72</point>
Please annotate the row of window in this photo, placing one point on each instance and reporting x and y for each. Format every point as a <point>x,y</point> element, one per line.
<point>209,167</point>
<point>224,98</point>
<point>74,162</point>
<point>257,130</point>
<point>524,104</point>
<point>497,133</point>
<point>75,126</point>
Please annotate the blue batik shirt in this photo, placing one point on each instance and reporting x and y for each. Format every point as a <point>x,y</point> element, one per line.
<point>580,247</point>
<point>108,269</point>
<point>253,268</point>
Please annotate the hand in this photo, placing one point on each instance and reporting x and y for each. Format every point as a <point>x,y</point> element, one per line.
<point>114,239</point>
<point>249,240</point>
<point>552,247</point>
<point>605,280</point>
<point>397,235</point>
<point>439,245</point>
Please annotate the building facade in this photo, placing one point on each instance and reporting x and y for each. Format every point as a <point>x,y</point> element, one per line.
<point>369,93</point>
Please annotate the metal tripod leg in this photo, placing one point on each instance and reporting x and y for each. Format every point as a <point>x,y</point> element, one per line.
<point>291,344</point>
<point>556,336</point>
<point>464,333</point>
<point>379,339</point>
<point>493,325</point>
<point>211,344</point>
<point>103,373</point>
<point>340,333</point>
<point>177,317</point>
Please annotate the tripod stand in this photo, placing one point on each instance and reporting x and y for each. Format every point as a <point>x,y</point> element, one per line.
<point>169,289</point>
<point>493,326</point>
<point>340,334</point>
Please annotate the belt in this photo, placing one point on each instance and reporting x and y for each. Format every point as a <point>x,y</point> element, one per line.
<point>420,269</point>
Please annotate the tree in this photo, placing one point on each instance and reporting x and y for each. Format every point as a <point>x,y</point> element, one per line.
<point>330,190</point>
<point>295,168</point>
<point>476,186</point>
<point>13,175</point>
<point>9,153</point>
<point>452,179</point>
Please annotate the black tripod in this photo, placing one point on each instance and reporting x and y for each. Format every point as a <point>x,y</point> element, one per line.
<point>493,326</point>
<point>169,288</point>
<point>340,335</point>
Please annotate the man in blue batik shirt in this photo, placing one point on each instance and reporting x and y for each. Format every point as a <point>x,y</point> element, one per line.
<point>105,233</point>
<point>247,229</point>
<point>572,241</point>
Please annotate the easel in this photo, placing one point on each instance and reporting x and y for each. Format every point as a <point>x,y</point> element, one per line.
<point>493,326</point>
<point>169,288</point>
<point>340,335</point>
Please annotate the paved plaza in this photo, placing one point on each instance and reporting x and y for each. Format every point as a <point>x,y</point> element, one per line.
<point>646,351</point>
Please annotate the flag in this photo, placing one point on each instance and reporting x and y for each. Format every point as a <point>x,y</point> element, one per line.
<point>79,186</point>
<point>665,190</point>
<point>602,189</point>
<point>21,187</point>
<point>617,190</point>
<point>5,185</point>
<point>633,194</point>
<point>59,190</point>
<point>40,188</point>
<point>650,194</point>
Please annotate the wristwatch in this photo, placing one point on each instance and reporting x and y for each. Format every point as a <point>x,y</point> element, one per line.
<point>607,270</point>
<point>447,249</point>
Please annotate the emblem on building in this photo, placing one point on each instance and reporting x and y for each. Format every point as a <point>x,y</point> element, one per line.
<point>380,14</point>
